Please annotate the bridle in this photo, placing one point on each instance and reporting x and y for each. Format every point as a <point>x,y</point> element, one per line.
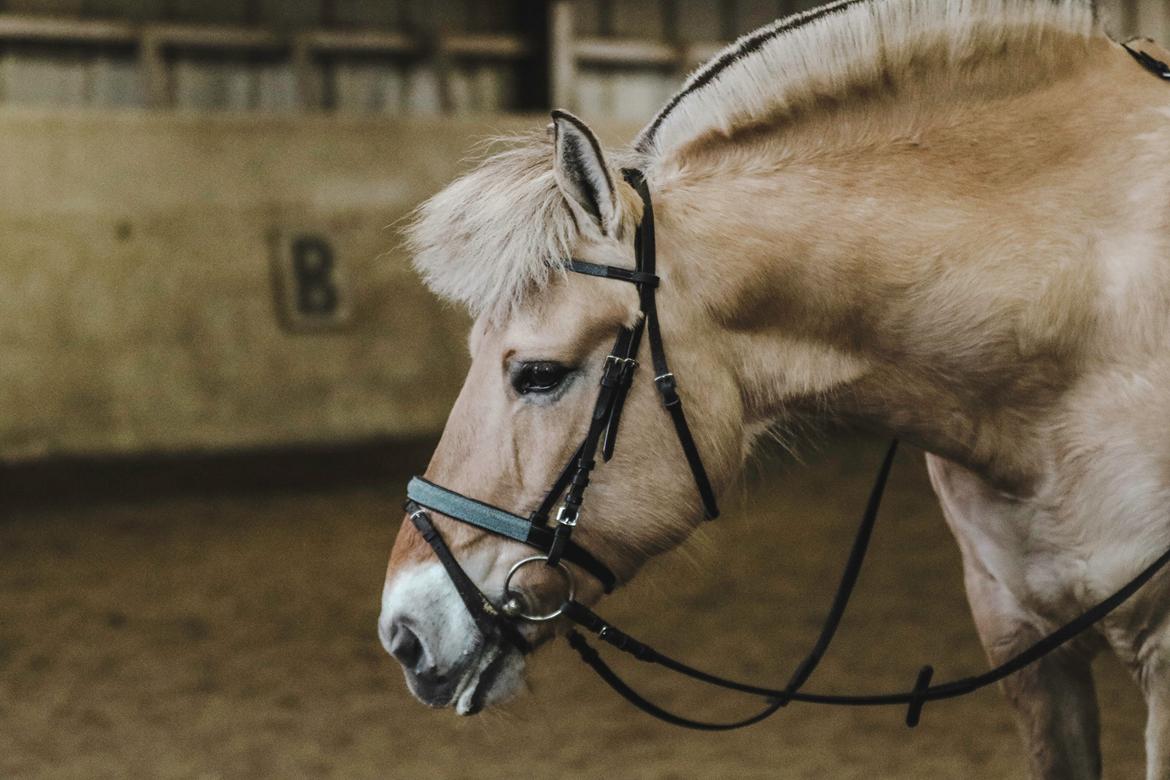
<point>556,546</point>
<point>617,376</point>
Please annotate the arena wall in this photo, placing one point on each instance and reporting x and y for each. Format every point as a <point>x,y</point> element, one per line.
<point>153,300</point>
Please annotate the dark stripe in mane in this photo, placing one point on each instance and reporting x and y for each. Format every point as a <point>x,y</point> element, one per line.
<point>749,45</point>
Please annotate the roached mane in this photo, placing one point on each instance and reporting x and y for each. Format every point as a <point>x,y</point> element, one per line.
<point>505,228</point>
<point>844,44</point>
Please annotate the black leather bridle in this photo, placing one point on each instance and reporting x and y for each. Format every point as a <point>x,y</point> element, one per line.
<point>600,439</point>
<point>557,546</point>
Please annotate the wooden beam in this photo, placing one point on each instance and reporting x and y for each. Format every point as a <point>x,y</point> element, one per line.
<point>309,96</point>
<point>639,52</point>
<point>215,37</point>
<point>361,42</point>
<point>504,47</point>
<point>315,41</point>
<point>562,55</point>
<point>14,27</point>
<point>626,51</point>
<point>155,78</point>
<point>565,54</point>
<point>19,27</point>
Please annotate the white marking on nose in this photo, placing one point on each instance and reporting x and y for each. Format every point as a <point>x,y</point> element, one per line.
<point>424,598</point>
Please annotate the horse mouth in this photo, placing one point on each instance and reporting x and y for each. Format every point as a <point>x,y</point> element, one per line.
<point>477,686</point>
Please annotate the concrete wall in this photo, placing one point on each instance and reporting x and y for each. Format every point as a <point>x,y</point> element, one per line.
<point>145,268</point>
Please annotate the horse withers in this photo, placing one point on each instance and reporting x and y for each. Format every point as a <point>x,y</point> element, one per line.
<point>942,220</point>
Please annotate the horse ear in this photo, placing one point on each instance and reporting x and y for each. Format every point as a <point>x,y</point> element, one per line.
<point>581,170</point>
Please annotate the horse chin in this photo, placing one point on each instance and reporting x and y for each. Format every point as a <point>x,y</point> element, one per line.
<point>495,677</point>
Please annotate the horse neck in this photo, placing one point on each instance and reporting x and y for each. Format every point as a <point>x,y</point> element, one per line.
<point>928,278</point>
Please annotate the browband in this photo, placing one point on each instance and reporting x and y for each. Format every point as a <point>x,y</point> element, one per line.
<point>612,272</point>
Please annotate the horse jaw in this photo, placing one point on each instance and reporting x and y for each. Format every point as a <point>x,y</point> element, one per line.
<point>479,673</point>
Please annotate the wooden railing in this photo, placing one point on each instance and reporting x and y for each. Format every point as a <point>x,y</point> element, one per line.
<point>305,49</point>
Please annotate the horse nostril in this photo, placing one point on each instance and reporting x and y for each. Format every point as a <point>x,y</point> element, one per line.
<point>405,645</point>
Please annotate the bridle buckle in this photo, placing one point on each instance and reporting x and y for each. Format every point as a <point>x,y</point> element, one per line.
<point>667,388</point>
<point>618,370</point>
<point>567,517</point>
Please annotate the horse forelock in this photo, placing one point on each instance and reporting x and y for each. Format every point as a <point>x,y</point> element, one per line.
<point>495,233</point>
<point>844,45</point>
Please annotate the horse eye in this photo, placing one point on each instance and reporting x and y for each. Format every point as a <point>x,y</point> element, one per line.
<point>538,377</point>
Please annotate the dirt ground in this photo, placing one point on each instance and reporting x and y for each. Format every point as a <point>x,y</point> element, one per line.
<point>205,618</point>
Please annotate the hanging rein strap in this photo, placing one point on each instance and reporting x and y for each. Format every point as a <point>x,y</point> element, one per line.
<point>776,699</point>
<point>913,699</point>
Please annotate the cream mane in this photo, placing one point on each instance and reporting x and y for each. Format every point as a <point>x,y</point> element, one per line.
<point>844,45</point>
<point>505,228</point>
<point>496,232</point>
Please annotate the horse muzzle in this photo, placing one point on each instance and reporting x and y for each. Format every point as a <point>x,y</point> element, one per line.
<point>447,660</point>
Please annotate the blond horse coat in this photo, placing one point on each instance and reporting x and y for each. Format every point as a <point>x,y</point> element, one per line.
<point>945,220</point>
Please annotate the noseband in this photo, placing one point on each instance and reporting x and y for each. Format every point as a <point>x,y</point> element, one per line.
<point>556,545</point>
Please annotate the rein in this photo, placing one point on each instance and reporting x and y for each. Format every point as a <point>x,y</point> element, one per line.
<point>557,546</point>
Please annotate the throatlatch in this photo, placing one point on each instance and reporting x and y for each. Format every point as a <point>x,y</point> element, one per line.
<point>557,545</point>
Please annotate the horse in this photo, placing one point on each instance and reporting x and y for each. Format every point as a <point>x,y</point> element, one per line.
<point>942,220</point>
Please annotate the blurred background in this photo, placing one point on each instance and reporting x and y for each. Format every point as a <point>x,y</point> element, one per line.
<point>200,196</point>
<point>217,370</point>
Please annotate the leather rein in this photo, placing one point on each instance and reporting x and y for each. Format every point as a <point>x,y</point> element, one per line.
<point>556,546</point>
